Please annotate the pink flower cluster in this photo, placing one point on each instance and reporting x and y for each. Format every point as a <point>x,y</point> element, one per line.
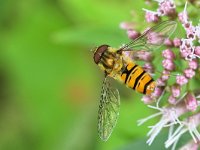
<point>187,48</point>
<point>180,63</point>
<point>166,8</point>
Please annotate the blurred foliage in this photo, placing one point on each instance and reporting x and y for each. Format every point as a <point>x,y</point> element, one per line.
<point>50,86</point>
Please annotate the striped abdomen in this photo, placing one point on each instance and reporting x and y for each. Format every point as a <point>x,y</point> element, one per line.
<point>136,78</point>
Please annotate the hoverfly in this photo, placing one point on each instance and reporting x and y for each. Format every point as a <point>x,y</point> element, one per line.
<point>117,65</point>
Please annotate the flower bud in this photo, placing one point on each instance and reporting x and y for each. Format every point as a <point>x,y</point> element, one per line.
<point>181,80</point>
<point>197,50</point>
<point>183,17</point>
<point>176,90</point>
<point>132,34</point>
<point>157,92</point>
<point>143,55</point>
<point>168,42</point>
<point>190,32</point>
<point>185,52</point>
<point>172,100</point>
<point>148,67</point>
<point>191,102</point>
<point>167,8</point>
<point>147,99</point>
<point>193,64</point>
<point>177,42</point>
<point>127,25</point>
<point>160,82</point>
<point>189,73</point>
<point>168,64</point>
<point>168,54</point>
<point>165,75</point>
<point>151,16</point>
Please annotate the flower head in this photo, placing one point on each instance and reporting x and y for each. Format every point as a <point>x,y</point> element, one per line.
<point>170,117</point>
<point>188,125</point>
<point>167,7</point>
<point>180,65</point>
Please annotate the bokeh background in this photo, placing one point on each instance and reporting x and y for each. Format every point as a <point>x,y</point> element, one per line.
<point>49,85</point>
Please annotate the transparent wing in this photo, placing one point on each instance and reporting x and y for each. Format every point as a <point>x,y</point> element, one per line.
<point>153,38</point>
<point>108,110</point>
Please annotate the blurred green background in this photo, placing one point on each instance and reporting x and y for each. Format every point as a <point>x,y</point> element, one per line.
<point>49,85</point>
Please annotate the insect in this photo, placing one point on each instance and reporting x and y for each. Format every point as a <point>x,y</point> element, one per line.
<point>117,65</point>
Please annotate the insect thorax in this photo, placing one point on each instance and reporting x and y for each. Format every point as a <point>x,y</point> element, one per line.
<point>111,61</point>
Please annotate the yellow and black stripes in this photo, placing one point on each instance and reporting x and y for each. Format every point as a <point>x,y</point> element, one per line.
<point>128,72</point>
<point>136,78</point>
<point>147,84</point>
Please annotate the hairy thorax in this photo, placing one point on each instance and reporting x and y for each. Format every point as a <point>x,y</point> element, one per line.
<point>111,62</point>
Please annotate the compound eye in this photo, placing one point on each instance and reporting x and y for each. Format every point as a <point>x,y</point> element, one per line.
<point>99,53</point>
